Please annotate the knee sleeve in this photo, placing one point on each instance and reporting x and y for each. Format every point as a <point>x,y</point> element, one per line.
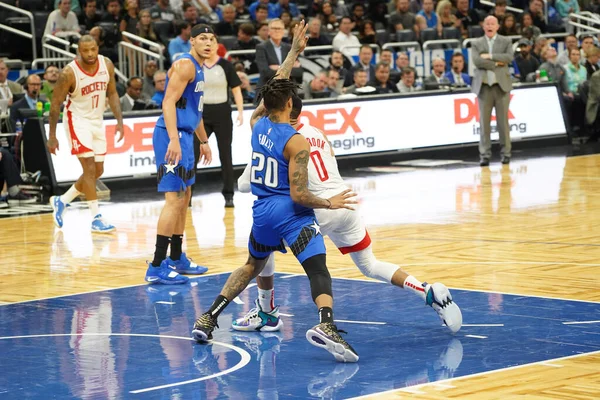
<point>269,268</point>
<point>373,268</point>
<point>318,275</point>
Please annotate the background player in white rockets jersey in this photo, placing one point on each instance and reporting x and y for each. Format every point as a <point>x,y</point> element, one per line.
<point>347,231</point>
<point>86,81</point>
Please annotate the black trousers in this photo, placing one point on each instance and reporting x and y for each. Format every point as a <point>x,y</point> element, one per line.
<point>9,171</point>
<point>217,120</point>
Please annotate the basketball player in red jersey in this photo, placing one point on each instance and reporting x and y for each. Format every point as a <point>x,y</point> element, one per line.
<point>86,83</point>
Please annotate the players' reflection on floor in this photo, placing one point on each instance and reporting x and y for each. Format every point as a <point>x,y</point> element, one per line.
<point>325,387</point>
<point>265,346</point>
<point>444,367</point>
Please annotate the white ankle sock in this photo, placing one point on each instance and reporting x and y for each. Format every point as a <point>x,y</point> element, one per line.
<point>70,195</point>
<point>413,285</point>
<point>93,205</point>
<point>266,299</point>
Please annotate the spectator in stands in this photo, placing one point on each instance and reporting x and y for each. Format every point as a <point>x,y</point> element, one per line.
<point>215,12</point>
<point>528,29</point>
<point>270,54</point>
<point>113,12</point>
<point>365,56</point>
<point>132,99</point>
<point>345,38</point>
<point>145,28</point>
<point>160,79</point>
<point>360,81</point>
<point>33,86</point>
<point>336,62</point>
<point>7,88</point>
<point>314,34</point>
<point>246,41</point>
<point>566,7</point>
<point>571,42</point>
<point>366,33</point>
<point>328,18</point>
<point>317,87</point>
<point>591,62</point>
<point>402,18</point>
<point>592,107</point>
<point>129,20</point>
<point>254,6</point>
<point>334,83</point>
<point>181,44</point>
<point>358,14</point>
<point>539,47</point>
<point>98,34</point>
<point>241,11</point>
<point>467,17</point>
<point>430,16</point>
<point>62,22</point>
<point>284,5</point>
<point>190,15</point>
<point>587,42</point>
<point>75,6</point>
<point>556,72</point>
<point>386,56</point>
<point>407,81</point>
<point>148,80</point>
<point>576,73</point>
<point>227,26</point>
<point>9,173</point>
<point>456,75</point>
<point>161,11</point>
<point>381,80</point>
<point>499,10</point>
<point>262,31</point>
<point>89,17</point>
<point>508,27</point>
<point>536,9</point>
<point>261,14</point>
<point>402,62</point>
<point>437,77</point>
<point>50,77</point>
<point>247,93</point>
<point>525,61</point>
<point>445,15</point>
<point>286,18</point>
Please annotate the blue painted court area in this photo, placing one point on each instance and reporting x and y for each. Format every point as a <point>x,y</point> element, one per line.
<point>134,342</point>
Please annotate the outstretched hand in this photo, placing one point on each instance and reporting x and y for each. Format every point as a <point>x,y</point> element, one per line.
<point>300,38</point>
<point>343,200</point>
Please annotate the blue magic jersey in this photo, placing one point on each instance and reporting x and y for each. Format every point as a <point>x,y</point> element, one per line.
<point>269,172</point>
<point>189,107</point>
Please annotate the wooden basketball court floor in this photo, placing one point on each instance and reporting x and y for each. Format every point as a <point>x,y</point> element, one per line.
<point>529,229</point>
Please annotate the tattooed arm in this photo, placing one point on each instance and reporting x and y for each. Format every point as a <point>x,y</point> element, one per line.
<point>260,112</point>
<point>298,45</point>
<point>297,152</point>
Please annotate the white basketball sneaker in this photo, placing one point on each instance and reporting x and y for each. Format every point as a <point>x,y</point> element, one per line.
<point>439,298</point>
<point>259,320</point>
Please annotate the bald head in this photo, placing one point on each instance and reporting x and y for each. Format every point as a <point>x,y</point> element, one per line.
<point>490,26</point>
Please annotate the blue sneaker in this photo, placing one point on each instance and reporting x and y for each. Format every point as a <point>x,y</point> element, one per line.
<point>99,225</point>
<point>186,266</point>
<point>58,207</point>
<point>164,274</point>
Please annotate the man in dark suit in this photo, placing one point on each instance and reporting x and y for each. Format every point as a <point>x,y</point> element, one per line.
<point>271,53</point>
<point>365,55</point>
<point>456,76</point>
<point>33,85</point>
<point>492,54</point>
<point>131,100</point>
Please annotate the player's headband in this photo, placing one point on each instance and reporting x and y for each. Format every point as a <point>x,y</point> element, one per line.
<point>201,28</point>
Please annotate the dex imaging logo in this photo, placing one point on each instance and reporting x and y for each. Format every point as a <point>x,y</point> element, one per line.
<point>339,121</point>
<point>466,111</point>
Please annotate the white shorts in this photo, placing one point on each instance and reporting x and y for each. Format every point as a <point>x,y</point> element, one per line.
<point>345,228</point>
<point>86,139</point>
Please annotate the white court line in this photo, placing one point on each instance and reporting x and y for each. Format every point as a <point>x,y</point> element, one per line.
<point>580,322</point>
<point>477,336</point>
<point>480,325</point>
<point>477,374</point>
<point>360,322</point>
<point>286,315</point>
<point>192,283</point>
<point>237,300</point>
<point>165,302</point>
<point>547,364</point>
<point>245,357</point>
<point>290,276</point>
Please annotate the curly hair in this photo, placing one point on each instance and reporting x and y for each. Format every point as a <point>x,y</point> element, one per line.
<point>276,93</point>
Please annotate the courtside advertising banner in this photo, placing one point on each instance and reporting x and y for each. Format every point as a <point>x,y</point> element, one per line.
<point>353,127</point>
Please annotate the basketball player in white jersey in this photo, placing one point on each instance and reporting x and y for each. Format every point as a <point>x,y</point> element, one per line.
<point>347,231</point>
<point>86,83</point>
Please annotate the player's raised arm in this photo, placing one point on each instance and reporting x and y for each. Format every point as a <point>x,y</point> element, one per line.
<point>113,98</point>
<point>298,45</point>
<point>64,86</point>
<point>297,152</point>
<point>181,73</point>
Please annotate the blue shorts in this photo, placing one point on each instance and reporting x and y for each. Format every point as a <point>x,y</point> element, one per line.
<point>183,175</point>
<point>280,221</point>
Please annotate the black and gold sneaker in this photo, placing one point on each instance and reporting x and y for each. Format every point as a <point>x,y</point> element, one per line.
<point>203,328</point>
<point>326,336</point>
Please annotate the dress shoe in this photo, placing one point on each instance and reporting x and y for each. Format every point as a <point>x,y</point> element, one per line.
<point>229,203</point>
<point>484,162</point>
<point>505,160</point>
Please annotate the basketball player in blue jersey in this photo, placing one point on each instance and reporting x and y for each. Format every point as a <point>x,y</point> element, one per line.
<point>283,212</point>
<point>174,152</point>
